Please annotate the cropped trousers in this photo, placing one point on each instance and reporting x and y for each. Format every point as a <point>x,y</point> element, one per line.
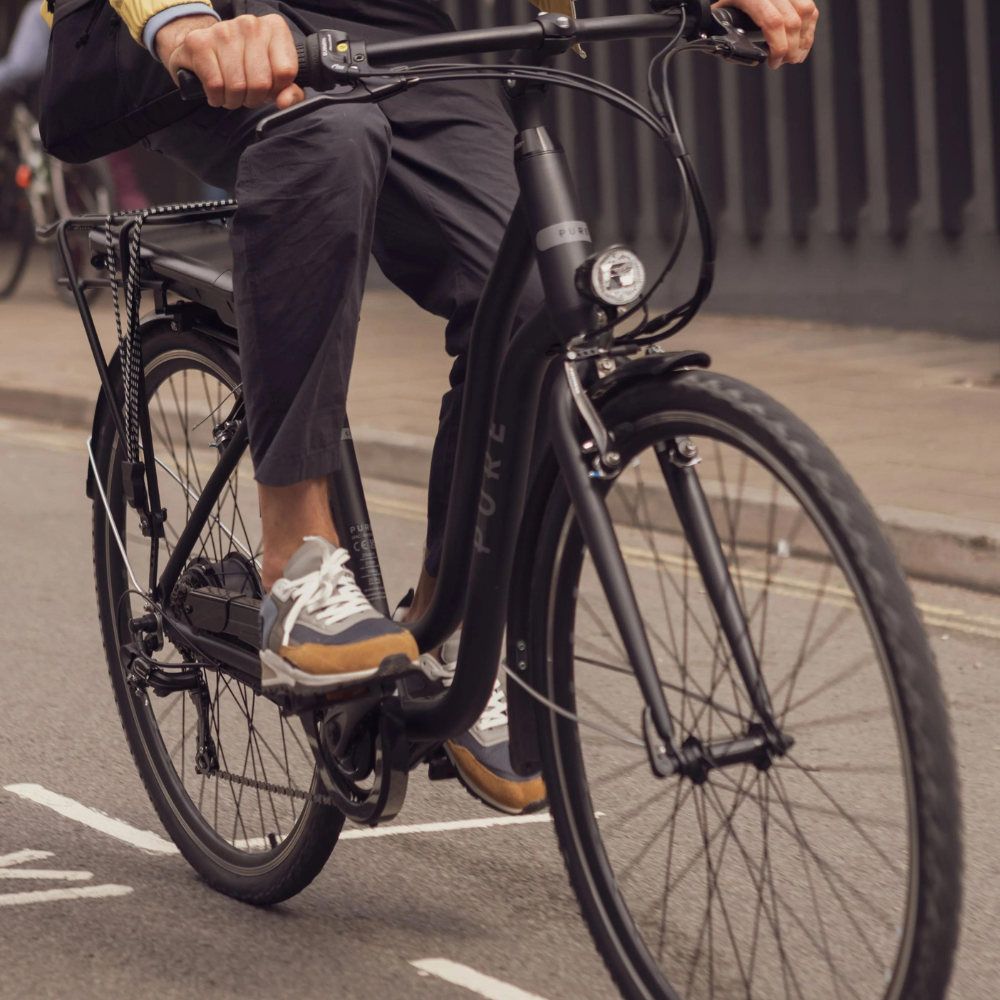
<point>424,182</point>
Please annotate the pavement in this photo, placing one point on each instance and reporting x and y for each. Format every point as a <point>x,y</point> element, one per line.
<point>914,416</point>
<point>455,902</point>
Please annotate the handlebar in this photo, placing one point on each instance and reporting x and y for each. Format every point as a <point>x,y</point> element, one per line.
<point>324,49</point>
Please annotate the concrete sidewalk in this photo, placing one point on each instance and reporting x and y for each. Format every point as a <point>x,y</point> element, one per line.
<point>915,417</point>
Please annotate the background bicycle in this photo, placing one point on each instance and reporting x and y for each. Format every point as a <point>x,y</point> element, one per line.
<point>36,190</point>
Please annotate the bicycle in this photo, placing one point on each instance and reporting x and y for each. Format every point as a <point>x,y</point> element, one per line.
<point>711,651</point>
<point>35,191</point>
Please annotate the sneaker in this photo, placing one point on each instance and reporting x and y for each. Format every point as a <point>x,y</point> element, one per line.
<point>481,756</point>
<point>318,631</point>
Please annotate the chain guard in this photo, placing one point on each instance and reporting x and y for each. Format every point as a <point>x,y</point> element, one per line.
<point>387,762</point>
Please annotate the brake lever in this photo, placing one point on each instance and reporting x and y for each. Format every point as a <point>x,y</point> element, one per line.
<point>357,91</point>
<point>729,42</point>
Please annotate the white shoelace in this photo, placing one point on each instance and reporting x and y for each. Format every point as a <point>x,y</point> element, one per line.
<point>330,593</point>
<point>495,713</point>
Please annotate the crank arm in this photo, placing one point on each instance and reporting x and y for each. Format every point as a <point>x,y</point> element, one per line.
<point>677,462</point>
<point>331,732</point>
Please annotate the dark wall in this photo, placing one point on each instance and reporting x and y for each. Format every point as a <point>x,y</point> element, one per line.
<point>862,186</point>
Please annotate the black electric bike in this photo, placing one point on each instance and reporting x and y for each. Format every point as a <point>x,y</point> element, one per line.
<point>711,651</point>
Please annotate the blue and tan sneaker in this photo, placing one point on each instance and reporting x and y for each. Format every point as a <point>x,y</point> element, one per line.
<point>481,756</point>
<point>319,631</point>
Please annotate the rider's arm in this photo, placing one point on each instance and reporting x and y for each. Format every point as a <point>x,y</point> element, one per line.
<point>137,14</point>
<point>168,14</point>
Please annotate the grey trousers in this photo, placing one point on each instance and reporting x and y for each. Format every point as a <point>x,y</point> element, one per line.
<point>424,181</point>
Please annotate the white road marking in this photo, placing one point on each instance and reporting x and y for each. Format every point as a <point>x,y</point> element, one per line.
<point>459,824</point>
<point>144,839</point>
<point>476,982</point>
<point>52,895</point>
<point>44,873</point>
<point>19,857</point>
<point>392,831</point>
<point>149,841</point>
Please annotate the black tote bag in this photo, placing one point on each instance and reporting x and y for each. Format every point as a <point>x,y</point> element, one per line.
<point>101,91</point>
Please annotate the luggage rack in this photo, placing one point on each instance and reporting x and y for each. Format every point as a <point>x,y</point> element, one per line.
<point>187,253</point>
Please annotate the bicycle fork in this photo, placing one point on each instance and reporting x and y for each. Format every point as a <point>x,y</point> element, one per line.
<point>584,467</point>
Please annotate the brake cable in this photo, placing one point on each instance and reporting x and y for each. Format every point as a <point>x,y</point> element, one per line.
<point>662,122</point>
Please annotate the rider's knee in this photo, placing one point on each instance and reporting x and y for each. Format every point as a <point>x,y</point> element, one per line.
<point>330,146</point>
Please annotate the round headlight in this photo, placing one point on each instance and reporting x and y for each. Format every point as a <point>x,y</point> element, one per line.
<point>617,276</point>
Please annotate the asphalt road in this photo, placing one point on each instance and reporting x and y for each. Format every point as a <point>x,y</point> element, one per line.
<point>494,899</point>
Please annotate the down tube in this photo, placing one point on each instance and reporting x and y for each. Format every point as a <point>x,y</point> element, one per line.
<point>500,504</point>
<point>490,335</point>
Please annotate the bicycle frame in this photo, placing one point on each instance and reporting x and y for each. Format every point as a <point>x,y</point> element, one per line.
<point>498,421</point>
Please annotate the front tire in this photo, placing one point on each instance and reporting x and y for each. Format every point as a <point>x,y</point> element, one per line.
<point>834,872</point>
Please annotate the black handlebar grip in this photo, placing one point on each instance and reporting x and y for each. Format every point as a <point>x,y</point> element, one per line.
<point>190,86</point>
<point>191,89</point>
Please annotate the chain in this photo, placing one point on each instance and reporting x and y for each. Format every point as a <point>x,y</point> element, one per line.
<point>265,786</point>
<point>130,350</point>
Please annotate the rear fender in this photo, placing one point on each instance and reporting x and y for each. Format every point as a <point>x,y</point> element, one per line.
<point>148,325</point>
<point>522,660</point>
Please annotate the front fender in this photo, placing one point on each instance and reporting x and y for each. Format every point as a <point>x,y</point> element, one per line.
<point>522,708</point>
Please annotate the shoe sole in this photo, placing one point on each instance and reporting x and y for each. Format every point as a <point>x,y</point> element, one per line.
<point>477,793</point>
<point>277,672</point>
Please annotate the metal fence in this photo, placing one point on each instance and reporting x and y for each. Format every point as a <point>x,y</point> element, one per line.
<point>862,186</point>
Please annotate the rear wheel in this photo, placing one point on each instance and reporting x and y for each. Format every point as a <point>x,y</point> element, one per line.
<point>249,825</point>
<point>831,872</point>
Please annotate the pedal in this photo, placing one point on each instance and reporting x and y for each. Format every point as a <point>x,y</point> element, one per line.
<point>439,766</point>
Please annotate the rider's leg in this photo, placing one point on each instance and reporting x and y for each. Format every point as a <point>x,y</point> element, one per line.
<point>445,203</point>
<point>289,514</point>
<point>446,200</point>
<point>301,241</point>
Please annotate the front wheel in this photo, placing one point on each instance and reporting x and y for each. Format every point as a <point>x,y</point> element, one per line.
<point>830,872</point>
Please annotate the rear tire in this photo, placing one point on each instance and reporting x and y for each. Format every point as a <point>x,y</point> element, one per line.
<point>888,762</point>
<point>226,854</point>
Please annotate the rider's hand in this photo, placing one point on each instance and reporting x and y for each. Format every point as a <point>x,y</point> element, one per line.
<point>788,26</point>
<point>242,63</point>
